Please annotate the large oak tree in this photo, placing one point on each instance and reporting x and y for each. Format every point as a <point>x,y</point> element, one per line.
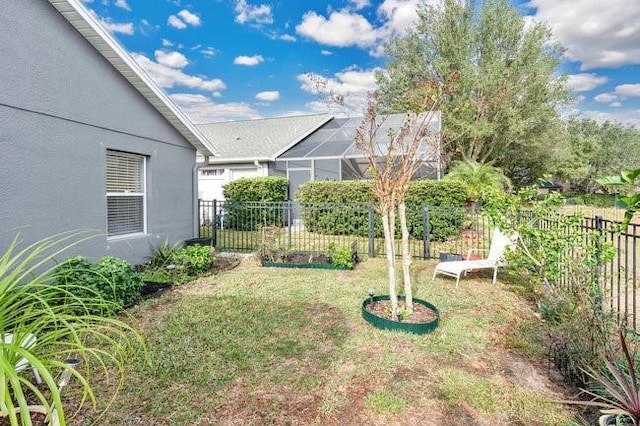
<point>503,89</point>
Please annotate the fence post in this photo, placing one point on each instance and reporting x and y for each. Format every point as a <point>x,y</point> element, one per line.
<point>426,244</point>
<point>372,251</point>
<point>289,206</point>
<point>600,236</point>
<point>214,220</point>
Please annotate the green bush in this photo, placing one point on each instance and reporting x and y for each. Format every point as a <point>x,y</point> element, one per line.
<point>192,261</point>
<point>445,199</point>
<point>343,256</point>
<point>110,279</point>
<point>242,216</point>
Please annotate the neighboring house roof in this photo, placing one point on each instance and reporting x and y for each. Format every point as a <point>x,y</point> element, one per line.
<point>337,137</point>
<point>78,16</point>
<point>261,140</point>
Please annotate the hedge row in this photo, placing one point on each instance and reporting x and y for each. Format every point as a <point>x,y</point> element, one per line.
<point>444,198</point>
<point>260,191</point>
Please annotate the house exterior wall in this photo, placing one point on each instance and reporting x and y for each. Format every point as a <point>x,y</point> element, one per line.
<point>62,106</point>
<point>210,187</point>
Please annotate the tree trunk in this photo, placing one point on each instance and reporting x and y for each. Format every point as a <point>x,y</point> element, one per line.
<point>388,225</point>
<point>406,258</point>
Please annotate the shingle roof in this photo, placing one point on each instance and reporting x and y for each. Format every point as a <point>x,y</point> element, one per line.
<point>263,139</point>
<point>78,16</point>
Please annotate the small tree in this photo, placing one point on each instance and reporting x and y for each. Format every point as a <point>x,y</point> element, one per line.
<point>631,202</point>
<point>392,167</point>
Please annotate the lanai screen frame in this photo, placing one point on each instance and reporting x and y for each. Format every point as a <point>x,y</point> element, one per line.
<point>336,139</point>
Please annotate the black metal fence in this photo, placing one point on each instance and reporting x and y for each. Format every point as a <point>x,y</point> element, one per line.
<point>286,226</point>
<point>289,225</point>
<point>619,276</point>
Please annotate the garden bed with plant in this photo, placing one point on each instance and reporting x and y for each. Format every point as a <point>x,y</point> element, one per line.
<point>312,260</point>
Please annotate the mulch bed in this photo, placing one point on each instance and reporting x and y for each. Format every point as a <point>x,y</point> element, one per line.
<point>37,419</point>
<point>421,314</point>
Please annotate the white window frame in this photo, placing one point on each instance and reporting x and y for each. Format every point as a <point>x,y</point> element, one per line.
<point>127,193</point>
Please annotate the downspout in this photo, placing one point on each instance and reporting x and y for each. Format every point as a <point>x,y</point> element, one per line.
<point>194,184</point>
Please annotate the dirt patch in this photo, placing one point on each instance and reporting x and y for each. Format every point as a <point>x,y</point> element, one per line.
<point>224,263</point>
<point>37,419</point>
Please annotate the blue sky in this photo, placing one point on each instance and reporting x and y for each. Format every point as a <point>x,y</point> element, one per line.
<point>241,59</point>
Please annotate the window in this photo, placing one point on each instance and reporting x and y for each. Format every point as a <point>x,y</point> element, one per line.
<point>126,190</point>
<point>212,172</point>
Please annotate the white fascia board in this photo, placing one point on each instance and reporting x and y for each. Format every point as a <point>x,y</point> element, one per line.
<point>81,19</point>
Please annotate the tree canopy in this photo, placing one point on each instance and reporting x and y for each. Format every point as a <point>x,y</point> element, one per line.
<point>501,87</point>
<point>594,150</point>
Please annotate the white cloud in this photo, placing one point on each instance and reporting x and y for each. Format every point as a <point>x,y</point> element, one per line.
<point>166,42</point>
<point>360,4</point>
<point>268,96</point>
<point>399,16</point>
<point>260,15</point>
<point>114,27</point>
<point>286,37</point>
<point>189,18</point>
<point>352,85</point>
<point>168,77</point>
<point>625,116</point>
<point>628,90</point>
<point>605,98</point>
<point>171,59</point>
<point>176,22</point>
<point>209,52</point>
<point>326,52</point>
<point>183,19</point>
<point>202,109</point>
<point>249,61</point>
<point>615,104</point>
<point>596,33</point>
<point>122,4</point>
<point>584,82</point>
<point>342,29</point>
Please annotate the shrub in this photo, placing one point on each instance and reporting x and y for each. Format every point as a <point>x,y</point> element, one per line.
<point>446,200</point>
<point>343,256</point>
<point>240,215</point>
<point>192,261</point>
<point>110,279</point>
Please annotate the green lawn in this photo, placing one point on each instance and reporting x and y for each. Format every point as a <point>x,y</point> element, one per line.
<point>256,346</point>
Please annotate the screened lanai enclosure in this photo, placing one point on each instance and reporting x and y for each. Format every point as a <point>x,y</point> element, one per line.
<point>330,153</point>
<point>302,148</point>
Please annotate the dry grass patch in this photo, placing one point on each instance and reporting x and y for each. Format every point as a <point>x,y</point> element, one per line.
<point>257,346</point>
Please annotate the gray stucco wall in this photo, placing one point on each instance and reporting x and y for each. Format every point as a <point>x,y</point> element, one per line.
<point>61,107</point>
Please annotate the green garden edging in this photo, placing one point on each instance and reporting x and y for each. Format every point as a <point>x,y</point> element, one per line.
<point>388,324</point>
<point>305,265</point>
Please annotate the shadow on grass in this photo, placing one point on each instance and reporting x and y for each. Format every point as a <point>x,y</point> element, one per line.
<point>207,355</point>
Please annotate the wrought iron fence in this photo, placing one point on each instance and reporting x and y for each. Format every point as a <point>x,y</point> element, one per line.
<point>286,226</point>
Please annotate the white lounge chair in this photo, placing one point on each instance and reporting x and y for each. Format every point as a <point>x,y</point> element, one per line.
<point>499,244</point>
<point>28,342</point>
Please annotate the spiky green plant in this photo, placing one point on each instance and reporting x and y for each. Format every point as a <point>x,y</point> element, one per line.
<point>30,305</point>
<point>615,392</point>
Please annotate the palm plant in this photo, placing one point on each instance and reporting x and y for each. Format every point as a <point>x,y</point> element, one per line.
<point>61,323</point>
<point>478,178</point>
